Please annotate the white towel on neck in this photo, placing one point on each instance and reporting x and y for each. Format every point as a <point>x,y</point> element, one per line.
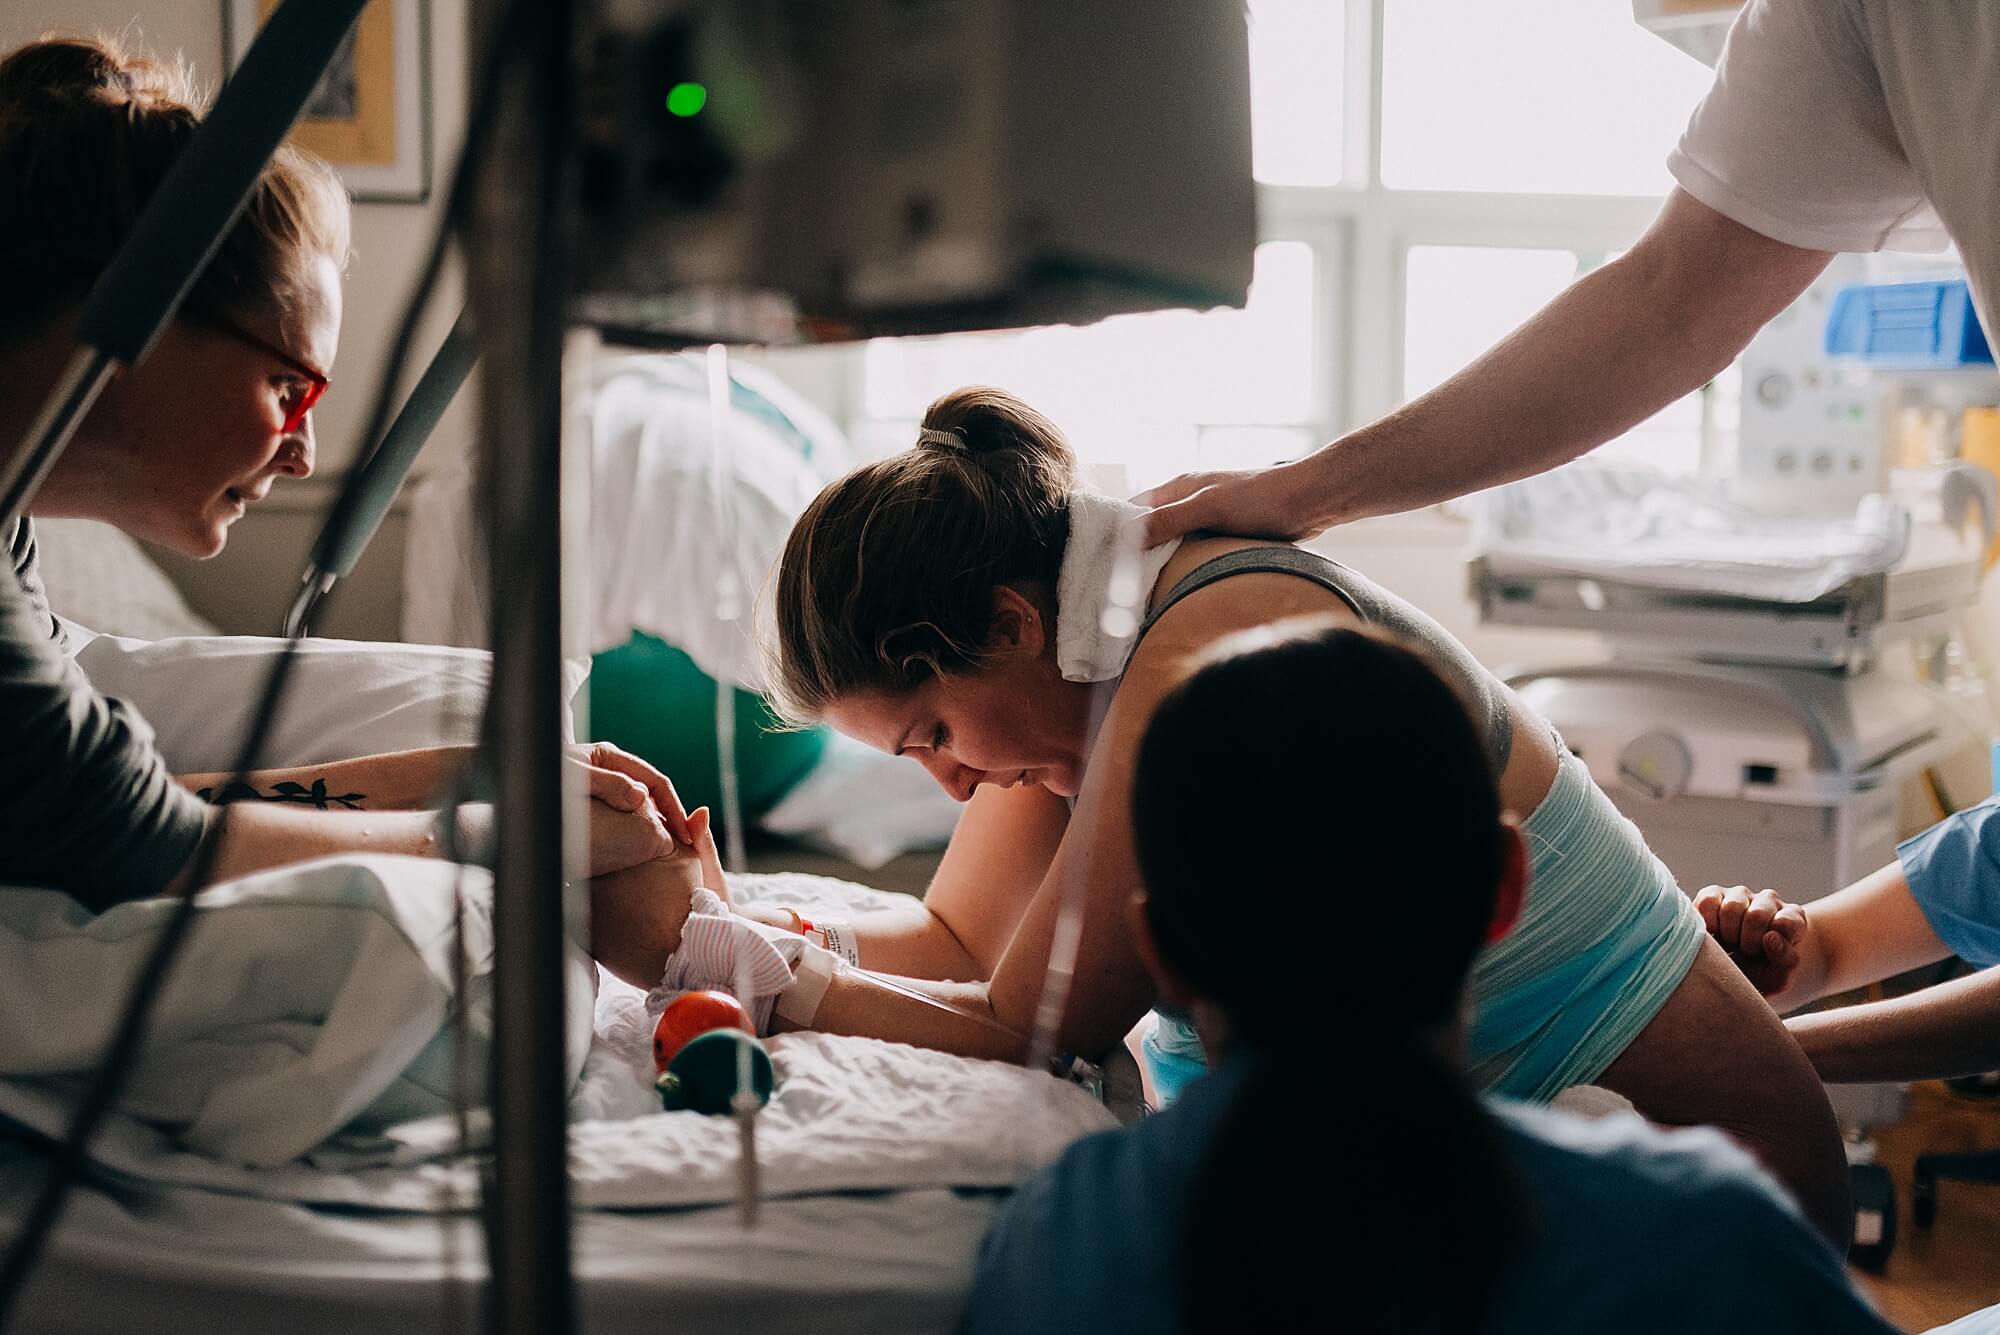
<point>1102,588</point>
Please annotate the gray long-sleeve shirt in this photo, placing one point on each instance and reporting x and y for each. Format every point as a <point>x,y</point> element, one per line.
<point>87,805</point>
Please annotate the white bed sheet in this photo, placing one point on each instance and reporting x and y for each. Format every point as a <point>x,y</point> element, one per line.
<point>155,1255</point>
<point>176,1261</point>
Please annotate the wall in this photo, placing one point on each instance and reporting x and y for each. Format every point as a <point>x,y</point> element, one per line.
<point>389,240</point>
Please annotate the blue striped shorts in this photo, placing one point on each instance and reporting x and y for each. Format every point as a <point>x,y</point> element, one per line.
<point>1604,938</point>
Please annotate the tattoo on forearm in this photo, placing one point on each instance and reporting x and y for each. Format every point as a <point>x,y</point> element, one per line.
<point>315,796</point>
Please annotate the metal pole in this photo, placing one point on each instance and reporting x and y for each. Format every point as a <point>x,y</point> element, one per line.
<point>518,283</point>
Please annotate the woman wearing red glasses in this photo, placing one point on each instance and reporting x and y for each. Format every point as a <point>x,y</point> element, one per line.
<point>175,451</point>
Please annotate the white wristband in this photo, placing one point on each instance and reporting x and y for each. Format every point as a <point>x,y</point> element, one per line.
<point>839,938</point>
<point>811,977</point>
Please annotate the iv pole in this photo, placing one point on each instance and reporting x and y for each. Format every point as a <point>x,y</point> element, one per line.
<point>517,246</point>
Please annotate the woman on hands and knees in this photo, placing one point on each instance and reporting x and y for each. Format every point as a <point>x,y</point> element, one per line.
<point>954,604</point>
<point>1337,1084</point>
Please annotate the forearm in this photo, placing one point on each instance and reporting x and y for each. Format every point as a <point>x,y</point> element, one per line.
<point>949,1017</point>
<point>907,940</point>
<point>1949,1030</point>
<point>1873,929</point>
<point>396,781</point>
<point>257,837</point>
<point>1617,346</point>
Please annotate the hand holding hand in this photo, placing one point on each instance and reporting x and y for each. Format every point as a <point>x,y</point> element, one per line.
<point>1764,936</point>
<point>623,781</point>
<point>621,839</point>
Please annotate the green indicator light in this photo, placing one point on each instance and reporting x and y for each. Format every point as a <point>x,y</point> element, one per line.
<point>685,99</point>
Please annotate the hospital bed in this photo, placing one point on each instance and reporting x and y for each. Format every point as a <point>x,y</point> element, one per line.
<point>940,1136</point>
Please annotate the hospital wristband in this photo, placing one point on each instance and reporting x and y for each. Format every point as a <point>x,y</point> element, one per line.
<point>839,938</point>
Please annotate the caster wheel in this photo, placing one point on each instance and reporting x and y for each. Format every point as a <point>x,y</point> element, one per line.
<point>1923,1200</point>
<point>1874,1193</point>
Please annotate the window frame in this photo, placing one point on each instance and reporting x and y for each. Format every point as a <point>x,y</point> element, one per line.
<point>1361,233</point>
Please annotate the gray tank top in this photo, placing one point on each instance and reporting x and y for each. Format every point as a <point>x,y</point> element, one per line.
<point>1485,695</point>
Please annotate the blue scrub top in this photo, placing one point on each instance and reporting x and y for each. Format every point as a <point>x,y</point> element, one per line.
<point>1637,1230</point>
<point>1954,872</point>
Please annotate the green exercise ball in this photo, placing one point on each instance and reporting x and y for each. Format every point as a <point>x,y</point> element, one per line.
<point>649,698</point>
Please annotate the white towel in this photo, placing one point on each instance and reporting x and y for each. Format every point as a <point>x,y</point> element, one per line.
<point>1102,586</point>
<point>1597,520</point>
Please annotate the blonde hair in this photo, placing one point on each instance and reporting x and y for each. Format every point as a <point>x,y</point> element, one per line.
<point>87,131</point>
<point>887,579</point>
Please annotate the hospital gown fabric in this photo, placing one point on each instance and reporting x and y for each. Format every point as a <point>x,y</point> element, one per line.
<point>1635,1230</point>
<point>1954,872</point>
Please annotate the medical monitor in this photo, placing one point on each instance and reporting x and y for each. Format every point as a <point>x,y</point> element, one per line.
<point>783,170</point>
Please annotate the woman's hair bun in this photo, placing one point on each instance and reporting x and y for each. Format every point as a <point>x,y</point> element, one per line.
<point>988,424</point>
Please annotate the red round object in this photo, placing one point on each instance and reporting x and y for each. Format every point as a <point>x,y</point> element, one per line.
<point>694,1013</point>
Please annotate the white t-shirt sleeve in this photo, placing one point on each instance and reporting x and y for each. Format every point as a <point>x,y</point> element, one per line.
<point>1795,138</point>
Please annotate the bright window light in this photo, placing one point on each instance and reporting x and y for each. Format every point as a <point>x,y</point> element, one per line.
<point>1554,97</point>
<point>1461,300</point>
<point>1139,391</point>
<point>1296,52</point>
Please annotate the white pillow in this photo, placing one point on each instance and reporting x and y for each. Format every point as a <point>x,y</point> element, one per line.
<point>346,698</point>
<point>866,806</point>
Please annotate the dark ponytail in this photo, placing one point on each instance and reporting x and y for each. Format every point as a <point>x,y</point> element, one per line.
<point>1352,781</point>
<point>1359,1176</point>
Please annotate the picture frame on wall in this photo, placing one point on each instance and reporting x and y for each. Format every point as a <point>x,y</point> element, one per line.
<point>370,116</point>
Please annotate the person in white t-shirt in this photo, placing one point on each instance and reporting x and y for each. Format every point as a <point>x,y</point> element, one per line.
<point>1833,125</point>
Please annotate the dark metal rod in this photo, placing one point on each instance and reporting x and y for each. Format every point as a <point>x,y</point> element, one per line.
<point>353,522</point>
<point>346,536</point>
<point>520,215</point>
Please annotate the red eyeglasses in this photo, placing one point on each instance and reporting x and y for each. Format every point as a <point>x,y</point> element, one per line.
<point>301,398</point>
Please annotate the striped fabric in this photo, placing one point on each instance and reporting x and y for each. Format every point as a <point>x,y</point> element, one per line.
<point>720,950</point>
<point>1603,940</point>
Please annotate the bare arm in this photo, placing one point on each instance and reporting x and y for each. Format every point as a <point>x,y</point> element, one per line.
<point>1615,347</point>
<point>396,781</point>
<point>1094,866</point>
<point>1949,1030</point>
<point>1797,953</point>
<point>407,780</point>
<point>258,836</point>
<point>997,858</point>
<point>1872,930</point>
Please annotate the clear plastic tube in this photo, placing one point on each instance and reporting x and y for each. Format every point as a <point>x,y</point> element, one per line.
<point>729,603</point>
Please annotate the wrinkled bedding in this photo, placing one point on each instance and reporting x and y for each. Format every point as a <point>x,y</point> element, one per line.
<point>304,1054</point>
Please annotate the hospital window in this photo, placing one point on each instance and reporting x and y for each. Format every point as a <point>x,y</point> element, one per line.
<point>1564,97</point>
<point>1142,396</point>
<point>1430,172</point>
<point>1460,300</point>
